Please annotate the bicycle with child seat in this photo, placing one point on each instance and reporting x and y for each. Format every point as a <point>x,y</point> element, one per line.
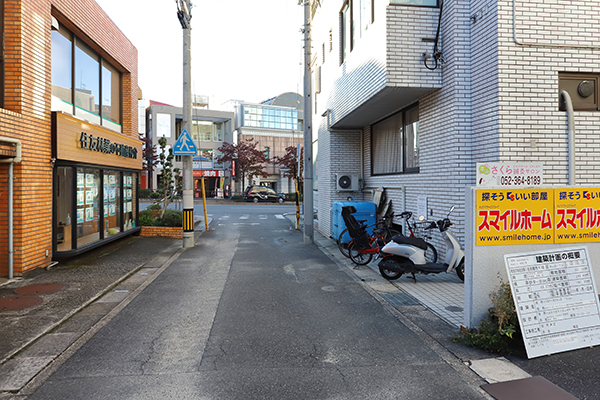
<point>383,228</point>
<point>384,233</point>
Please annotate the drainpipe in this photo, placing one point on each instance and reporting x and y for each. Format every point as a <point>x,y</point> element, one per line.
<point>570,136</point>
<point>10,201</point>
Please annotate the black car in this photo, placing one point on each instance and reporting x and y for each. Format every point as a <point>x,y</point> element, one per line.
<point>262,193</point>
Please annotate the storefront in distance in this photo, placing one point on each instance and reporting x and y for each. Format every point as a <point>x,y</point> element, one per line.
<point>96,177</point>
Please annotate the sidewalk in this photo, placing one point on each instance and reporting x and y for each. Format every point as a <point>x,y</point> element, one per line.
<point>84,293</point>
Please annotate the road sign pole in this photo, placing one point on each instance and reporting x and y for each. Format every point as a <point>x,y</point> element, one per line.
<point>185,17</point>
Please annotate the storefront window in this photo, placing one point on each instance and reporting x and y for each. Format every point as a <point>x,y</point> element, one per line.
<point>129,200</point>
<point>112,203</point>
<point>64,202</point>
<point>88,215</point>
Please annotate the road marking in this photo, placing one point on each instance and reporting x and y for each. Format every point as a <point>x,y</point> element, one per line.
<point>224,217</point>
<point>246,223</point>
<point>262,216</point>
<point>279,216</point>
<point>245,216</point>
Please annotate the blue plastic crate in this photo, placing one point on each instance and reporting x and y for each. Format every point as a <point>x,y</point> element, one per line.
<point>365,211</point>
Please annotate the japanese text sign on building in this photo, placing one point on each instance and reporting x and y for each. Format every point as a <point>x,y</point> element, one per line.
<point>515,216</point>
<point>527,216</point>
<point>509,174</point>
<point>556,299</point>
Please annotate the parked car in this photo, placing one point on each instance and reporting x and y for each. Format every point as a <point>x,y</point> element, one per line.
<point>258,193</point>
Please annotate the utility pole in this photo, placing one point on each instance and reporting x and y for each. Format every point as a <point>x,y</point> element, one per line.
<point>184,8</point>
<point>308,166</point>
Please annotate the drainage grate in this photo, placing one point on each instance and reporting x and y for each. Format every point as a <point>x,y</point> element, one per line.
<point>399,299</point>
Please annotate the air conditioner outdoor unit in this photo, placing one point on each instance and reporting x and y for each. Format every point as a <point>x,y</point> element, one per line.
<point>346,182</point>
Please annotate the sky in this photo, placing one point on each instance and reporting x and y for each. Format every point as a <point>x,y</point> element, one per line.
<point>248,50</point>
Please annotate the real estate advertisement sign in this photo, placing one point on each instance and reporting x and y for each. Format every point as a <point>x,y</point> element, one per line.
<point>539,215</point>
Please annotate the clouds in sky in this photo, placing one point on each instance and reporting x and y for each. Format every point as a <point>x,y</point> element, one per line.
<point>247,50</point>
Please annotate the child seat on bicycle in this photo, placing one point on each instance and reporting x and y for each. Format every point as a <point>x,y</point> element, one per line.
<point>356,230</point>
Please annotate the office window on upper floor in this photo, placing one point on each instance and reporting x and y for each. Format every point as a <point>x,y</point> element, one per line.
<point>85,85</point>
<point>356,16</point>
<point>426,3</point>
<point>395,143</point>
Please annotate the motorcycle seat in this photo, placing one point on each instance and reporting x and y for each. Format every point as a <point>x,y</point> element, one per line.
<point>412,241</point>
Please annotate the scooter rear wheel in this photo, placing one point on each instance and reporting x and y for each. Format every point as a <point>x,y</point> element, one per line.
<point>389,275</point>
<point>357,257</point>
<point>460,270</point>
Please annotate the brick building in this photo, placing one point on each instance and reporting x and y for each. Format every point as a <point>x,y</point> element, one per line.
<point>410,95</point>
<point>69,97</point>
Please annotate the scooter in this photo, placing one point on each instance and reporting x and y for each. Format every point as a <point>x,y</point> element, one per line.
<point>404,255</point>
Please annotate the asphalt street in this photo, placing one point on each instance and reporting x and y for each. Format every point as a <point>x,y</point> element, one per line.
<point>252,313</point>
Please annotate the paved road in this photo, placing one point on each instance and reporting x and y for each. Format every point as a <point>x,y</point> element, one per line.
<point>252,313</point>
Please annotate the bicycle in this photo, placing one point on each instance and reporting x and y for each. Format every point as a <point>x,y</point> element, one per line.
<point>383,229</point>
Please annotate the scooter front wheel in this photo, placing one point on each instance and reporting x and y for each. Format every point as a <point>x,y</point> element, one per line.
<point>357,257</point>
<point>389,275</point>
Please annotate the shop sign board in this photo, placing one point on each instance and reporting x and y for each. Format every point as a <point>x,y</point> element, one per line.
<point>556,299</point>
<point>535,216</point>
<point>514,174</point>
<point>208,173</point>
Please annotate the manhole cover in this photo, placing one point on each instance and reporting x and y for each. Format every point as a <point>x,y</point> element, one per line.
<point>41,288</point>
<point>332,288</point>
<point>17,303</point>
<point>454,309</point>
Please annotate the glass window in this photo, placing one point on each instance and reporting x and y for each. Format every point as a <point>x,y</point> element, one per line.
<point>129,200</point>
<point>112,203</point>
<point>111,93</point>
<point>202,131</point>
<point>411,134</point>
<point>346,36</point>
<point>219,131</point>
<point>429,3</point>
<point>88,207</point>
<point>87,83</point>
<point>97,95</point>
<point>163,125</point>
<point>395,143</point>
<point>61,70</point>
<point>64,205</point>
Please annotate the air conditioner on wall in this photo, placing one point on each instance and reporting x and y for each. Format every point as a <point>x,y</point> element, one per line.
<point>346,182</point>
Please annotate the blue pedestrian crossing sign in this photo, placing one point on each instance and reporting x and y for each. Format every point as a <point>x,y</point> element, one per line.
<point>184,146</point>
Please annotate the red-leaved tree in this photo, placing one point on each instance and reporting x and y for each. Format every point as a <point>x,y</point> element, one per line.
<point>248,159</point>
<point>290,162</point>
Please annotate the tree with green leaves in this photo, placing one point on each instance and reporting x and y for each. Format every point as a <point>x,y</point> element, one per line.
<point>170,184</point>
<point>247,158</point>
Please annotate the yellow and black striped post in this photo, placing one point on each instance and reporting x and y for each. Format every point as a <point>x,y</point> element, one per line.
<point>188,220</point>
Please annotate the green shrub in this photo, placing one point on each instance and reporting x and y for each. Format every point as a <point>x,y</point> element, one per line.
<point>172,218</point>
<point>154,207</point>
<point>500,331</point>
<point>145,193</point>
<point>147,218</point>
<point>155,195</point>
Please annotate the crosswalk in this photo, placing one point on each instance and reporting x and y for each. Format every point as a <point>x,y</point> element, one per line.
<point>253,219</point>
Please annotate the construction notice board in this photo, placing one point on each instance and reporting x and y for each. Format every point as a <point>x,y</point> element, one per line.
<point>556,299</point>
